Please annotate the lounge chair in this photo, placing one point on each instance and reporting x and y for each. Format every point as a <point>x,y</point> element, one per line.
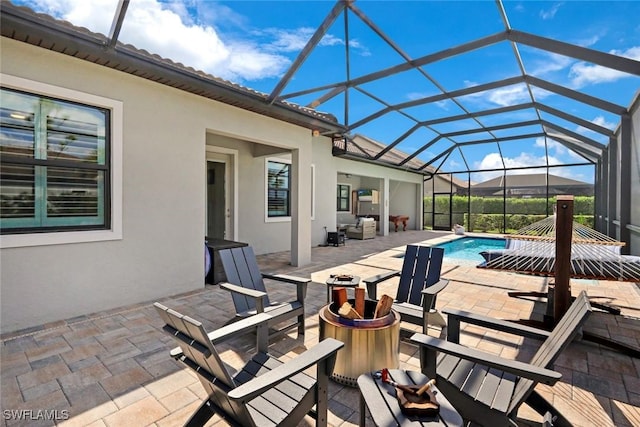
<point>246,284</point>
<point>364,229</point>
<point>266,391</point>
<point>487,389</point>
<point>418,286</point>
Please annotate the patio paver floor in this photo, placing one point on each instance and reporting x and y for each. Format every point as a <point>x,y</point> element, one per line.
<point>113,368</point>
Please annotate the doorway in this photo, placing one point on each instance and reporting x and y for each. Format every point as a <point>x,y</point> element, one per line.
<point>442,211</point>
<point>218,212</point>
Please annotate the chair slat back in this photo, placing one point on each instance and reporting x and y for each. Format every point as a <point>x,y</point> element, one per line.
<point>195,344</point>
<point>558,340</point>
<point>241,268</point>
<point>420,269</point>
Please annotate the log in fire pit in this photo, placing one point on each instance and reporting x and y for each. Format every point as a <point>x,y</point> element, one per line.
<point>369,344</point>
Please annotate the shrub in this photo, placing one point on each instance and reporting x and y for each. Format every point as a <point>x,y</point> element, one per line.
<point>487,212</point>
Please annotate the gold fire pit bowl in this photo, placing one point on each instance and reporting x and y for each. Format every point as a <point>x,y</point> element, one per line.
<point>369,344</point>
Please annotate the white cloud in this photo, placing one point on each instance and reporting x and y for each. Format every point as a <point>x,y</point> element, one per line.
<point>454,165</point>
<point>600,121</point>
<point>443,105</point>
<point>295,40</point>
<point>523,160</point>
<point>90,14</point>
<point>511,95</point>
<point>492,161</point>
<point>583,73</point>
<point>412,96</point>
<point>189,33</point>
<point>506,96</point>
<point>559,153</point>
<point>549,63</point>
<point>539,142</point>
<point>360,49</point>
<point>162,31</point>
<point>550,13</point>
<point>554,148</point>
<point>590,41</point>
<point>287,41</point>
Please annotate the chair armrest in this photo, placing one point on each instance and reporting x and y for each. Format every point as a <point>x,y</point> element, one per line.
<point>455,317</point>
<point>286,278</point>
<point>372,282</point>
<point>244,291</point>
<point>429,295</point>
<point>300,282</point>
<point>436,287</point>
<point>257,295</point>
<point>535,373</point>
<point>233,330</point>
<point>240,327</point>
<point>323,350</point>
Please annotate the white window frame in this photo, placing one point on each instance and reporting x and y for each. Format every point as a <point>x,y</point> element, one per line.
<point>115,171</point>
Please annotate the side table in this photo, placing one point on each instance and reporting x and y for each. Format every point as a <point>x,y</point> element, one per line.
<point>380,398</point>
<point>334,281</point>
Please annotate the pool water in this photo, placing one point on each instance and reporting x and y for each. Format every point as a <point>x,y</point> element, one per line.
<point>468,248</point>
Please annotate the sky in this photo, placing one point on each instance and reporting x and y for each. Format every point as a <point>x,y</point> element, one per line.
<point>253,43</point>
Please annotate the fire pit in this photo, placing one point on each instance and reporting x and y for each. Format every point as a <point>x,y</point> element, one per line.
<point>369,344</point>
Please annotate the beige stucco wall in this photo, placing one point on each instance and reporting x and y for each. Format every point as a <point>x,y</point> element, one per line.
<point>161,250</point>
<point>405,189</point>
<point>269,237</point>
<point>252,227</point>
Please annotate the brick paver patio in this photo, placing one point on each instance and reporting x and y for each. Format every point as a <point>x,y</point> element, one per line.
<point>114,369</point>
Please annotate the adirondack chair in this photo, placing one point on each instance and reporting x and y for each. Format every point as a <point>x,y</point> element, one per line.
<point>265,392</point>
<point>418,286</point>
<point>246,284</point>
<point>487,389</point>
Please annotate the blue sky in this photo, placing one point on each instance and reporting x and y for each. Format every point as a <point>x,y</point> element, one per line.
<point>254,42</point>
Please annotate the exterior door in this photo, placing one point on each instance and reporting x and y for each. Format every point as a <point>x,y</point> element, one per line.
<point>442,211</point>
<point>217,211</point>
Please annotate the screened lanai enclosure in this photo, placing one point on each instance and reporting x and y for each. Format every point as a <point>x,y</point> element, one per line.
<point>501,106</point>
<point>495,152</point>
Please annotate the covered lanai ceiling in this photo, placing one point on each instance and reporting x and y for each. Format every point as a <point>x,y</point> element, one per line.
<point>504,94</point>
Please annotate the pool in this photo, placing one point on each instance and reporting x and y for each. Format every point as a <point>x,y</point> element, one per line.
<point>467,249</point>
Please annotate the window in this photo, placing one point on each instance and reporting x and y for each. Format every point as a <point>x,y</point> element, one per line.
<point>344,198</point>
<point>278,189</point>
<point>55,164</point>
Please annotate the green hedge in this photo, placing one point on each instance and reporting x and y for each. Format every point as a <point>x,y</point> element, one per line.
<point>487,212</point>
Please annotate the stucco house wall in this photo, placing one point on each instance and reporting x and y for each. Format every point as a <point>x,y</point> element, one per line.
<point>402,201</point>
<point>165,137</point>
<point>160,251</point>
<point>404,189</point>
